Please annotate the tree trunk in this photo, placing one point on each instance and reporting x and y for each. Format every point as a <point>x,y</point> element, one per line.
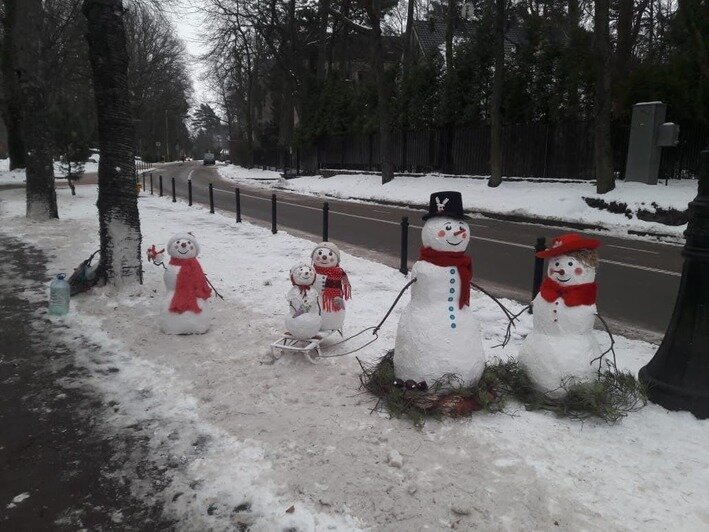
<point>324,16</point>
<point>408,53</point>
<point>119,222</point>
<point>29,66</point>
<point>624,30</point>
<point>11,111</point>
<point>452,15</point>
<point>603,155</point>
<point>496,100</point>
<point>373,8</point>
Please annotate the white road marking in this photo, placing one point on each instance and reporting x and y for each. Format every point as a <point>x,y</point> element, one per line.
<point>485,239</point>
<point>633,249</point>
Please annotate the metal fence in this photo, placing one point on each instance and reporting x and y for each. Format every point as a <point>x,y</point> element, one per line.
<point>537,150</point>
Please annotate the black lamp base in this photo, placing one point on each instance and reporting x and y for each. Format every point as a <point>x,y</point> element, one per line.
<point>673,397</point>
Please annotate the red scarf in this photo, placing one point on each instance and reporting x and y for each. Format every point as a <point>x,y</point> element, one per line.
<point>336,285</point>
<point>191,284</point>
<point>580,294</point>
<point>457,259</point>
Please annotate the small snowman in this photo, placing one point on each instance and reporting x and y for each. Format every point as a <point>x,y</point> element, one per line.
<point>187,311</point>
<point>303,321</point>
<point>562,344</point>
<point>332,284</point>
<point>438,333</point>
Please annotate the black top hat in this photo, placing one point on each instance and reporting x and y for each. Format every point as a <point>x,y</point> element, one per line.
<point>448,204</point>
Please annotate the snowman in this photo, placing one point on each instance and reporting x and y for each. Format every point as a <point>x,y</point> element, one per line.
<point>332,284</point>
<point>438,333</point>
<point>186,311</point>
<point>303,321</point>
<point>562,344</point>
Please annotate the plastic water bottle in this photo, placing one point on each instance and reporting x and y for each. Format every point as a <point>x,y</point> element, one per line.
<point>59,295</point>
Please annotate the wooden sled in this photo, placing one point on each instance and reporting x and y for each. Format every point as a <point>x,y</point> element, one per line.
<point>288,343</point>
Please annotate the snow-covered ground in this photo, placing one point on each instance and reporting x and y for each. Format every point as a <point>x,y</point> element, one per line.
<point>231,427</point>
<point>560,201</point>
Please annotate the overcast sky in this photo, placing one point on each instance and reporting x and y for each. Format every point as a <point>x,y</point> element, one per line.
<point>190,25</point>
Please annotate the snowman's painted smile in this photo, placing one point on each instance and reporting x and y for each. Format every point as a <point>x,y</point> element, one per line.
<point>454,243</point>
<point>185,253</point>
<point>563,280</point>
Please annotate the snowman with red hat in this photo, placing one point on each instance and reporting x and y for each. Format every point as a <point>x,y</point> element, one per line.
<point>438,334</point>
<point>562,344</point>
<point>187,311</point>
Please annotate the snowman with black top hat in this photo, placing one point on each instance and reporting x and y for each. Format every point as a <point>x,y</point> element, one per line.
<point>438,333</point>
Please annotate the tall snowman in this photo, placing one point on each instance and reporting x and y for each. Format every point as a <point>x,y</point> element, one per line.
<point>438,334</point>
<point>332,284</point>
<point>562,344</point>
<point>187,310</point>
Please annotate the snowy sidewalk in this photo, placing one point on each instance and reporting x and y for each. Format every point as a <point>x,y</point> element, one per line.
<point>242,440</point>
<point>56,461</point>
<point>630,209</point>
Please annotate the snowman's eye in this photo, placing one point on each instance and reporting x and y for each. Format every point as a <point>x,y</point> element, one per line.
<point>330,253</point>
<point>571,263</point>
<point>557,263</point>
<point>448,227</point>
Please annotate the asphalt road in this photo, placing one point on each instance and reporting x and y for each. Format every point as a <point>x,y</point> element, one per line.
<point>638,280</point>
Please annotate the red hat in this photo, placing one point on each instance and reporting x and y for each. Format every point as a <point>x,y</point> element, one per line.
<point>566,243</point>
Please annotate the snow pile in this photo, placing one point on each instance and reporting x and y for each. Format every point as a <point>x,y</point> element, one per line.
<point>559,201</point>
<point>238,173</point>
<point>14,177</point>
<point>244,439</point>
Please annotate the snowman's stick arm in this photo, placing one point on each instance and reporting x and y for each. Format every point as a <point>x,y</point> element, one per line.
<point>611,349</point>
<point>499,303</point>
<point>376,329</point>
<point>215,290</point>
<point>510,324</point>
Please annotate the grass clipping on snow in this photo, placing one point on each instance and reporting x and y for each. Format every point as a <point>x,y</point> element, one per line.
<point>610,397</point>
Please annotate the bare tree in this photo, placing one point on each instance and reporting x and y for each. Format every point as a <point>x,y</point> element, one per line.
<point>496,99</point>
<point>119,221</point>
<point>603,155</point>
<point>11,110</point>
<point>26,28</point>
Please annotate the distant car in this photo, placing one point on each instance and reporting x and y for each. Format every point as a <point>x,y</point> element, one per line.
<point>208,158</point>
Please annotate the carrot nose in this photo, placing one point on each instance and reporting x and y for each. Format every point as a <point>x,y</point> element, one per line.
<point>461,232</point>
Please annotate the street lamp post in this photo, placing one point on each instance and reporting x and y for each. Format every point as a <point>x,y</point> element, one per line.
<point>677,377</point>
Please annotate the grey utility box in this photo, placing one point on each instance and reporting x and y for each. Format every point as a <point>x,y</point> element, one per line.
<point>648,134</point>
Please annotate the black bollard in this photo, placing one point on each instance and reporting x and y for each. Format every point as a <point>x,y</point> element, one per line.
<point>151,183</point>
<point>237,199</point>
<point>274,228</point>
<point>174,197</point>
<point>143,181</point>
<point>325,221</point>
<point>160,181</point>
<point>538,269</point>
<point>677,377</point>
<point>189,192</point>
<point>404,267</point>
<point>211,198</point>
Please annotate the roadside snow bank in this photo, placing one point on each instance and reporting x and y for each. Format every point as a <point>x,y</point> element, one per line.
<point>558,201</point>
<point>246,438</point>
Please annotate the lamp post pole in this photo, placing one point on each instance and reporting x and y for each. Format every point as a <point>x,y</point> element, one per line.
<point>677,377</point>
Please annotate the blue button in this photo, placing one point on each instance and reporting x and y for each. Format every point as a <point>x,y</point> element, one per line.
<point>451,309</point>
<point>452,290</point>
<point>452,281</point>
<point>452,316</point>
<point>450,299</point>
<point>452,270</point>
<point>452,325</point>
